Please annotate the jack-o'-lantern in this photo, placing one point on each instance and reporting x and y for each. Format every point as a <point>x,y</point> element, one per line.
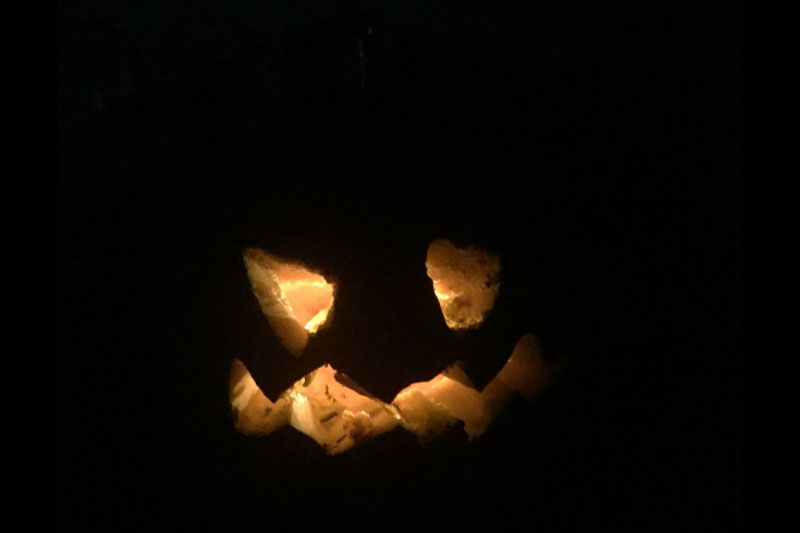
<point>426,372</point>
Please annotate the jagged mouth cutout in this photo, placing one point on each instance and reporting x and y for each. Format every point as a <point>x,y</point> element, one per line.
<point>336,412</point>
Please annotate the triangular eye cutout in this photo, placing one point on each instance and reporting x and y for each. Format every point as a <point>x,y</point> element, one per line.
<point>465,281</point>
<point>295,300</point>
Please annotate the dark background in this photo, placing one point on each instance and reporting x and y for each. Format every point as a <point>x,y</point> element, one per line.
<point>595,146</point>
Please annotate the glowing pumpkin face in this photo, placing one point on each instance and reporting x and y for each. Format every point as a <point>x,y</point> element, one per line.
<point>325,403</point>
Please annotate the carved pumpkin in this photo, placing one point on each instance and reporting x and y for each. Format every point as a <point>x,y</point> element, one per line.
<point>311,315</point>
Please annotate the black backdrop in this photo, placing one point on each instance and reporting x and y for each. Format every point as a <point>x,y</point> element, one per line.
<point>595,146</point>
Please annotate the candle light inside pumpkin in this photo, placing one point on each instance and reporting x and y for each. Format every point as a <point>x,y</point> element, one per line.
<point>295,300</point>
<point>323,406</point>
<point>464,281</point>
<point>328,407</point>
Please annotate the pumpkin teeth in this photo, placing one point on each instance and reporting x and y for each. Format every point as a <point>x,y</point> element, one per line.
<point>338,414</point>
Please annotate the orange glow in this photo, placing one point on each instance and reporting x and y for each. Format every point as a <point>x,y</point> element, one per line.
<point>464,282</point>
<point>295,300</point>
<point>428,408</point>
<point>338,417</point>
<point>334,415</point>
<point>313,325</point>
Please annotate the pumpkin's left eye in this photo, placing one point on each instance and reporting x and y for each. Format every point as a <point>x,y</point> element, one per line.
<point>295,300</point>
<point>465,281</point>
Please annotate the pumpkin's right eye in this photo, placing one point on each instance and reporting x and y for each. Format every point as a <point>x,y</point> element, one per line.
<point>295,300</point>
